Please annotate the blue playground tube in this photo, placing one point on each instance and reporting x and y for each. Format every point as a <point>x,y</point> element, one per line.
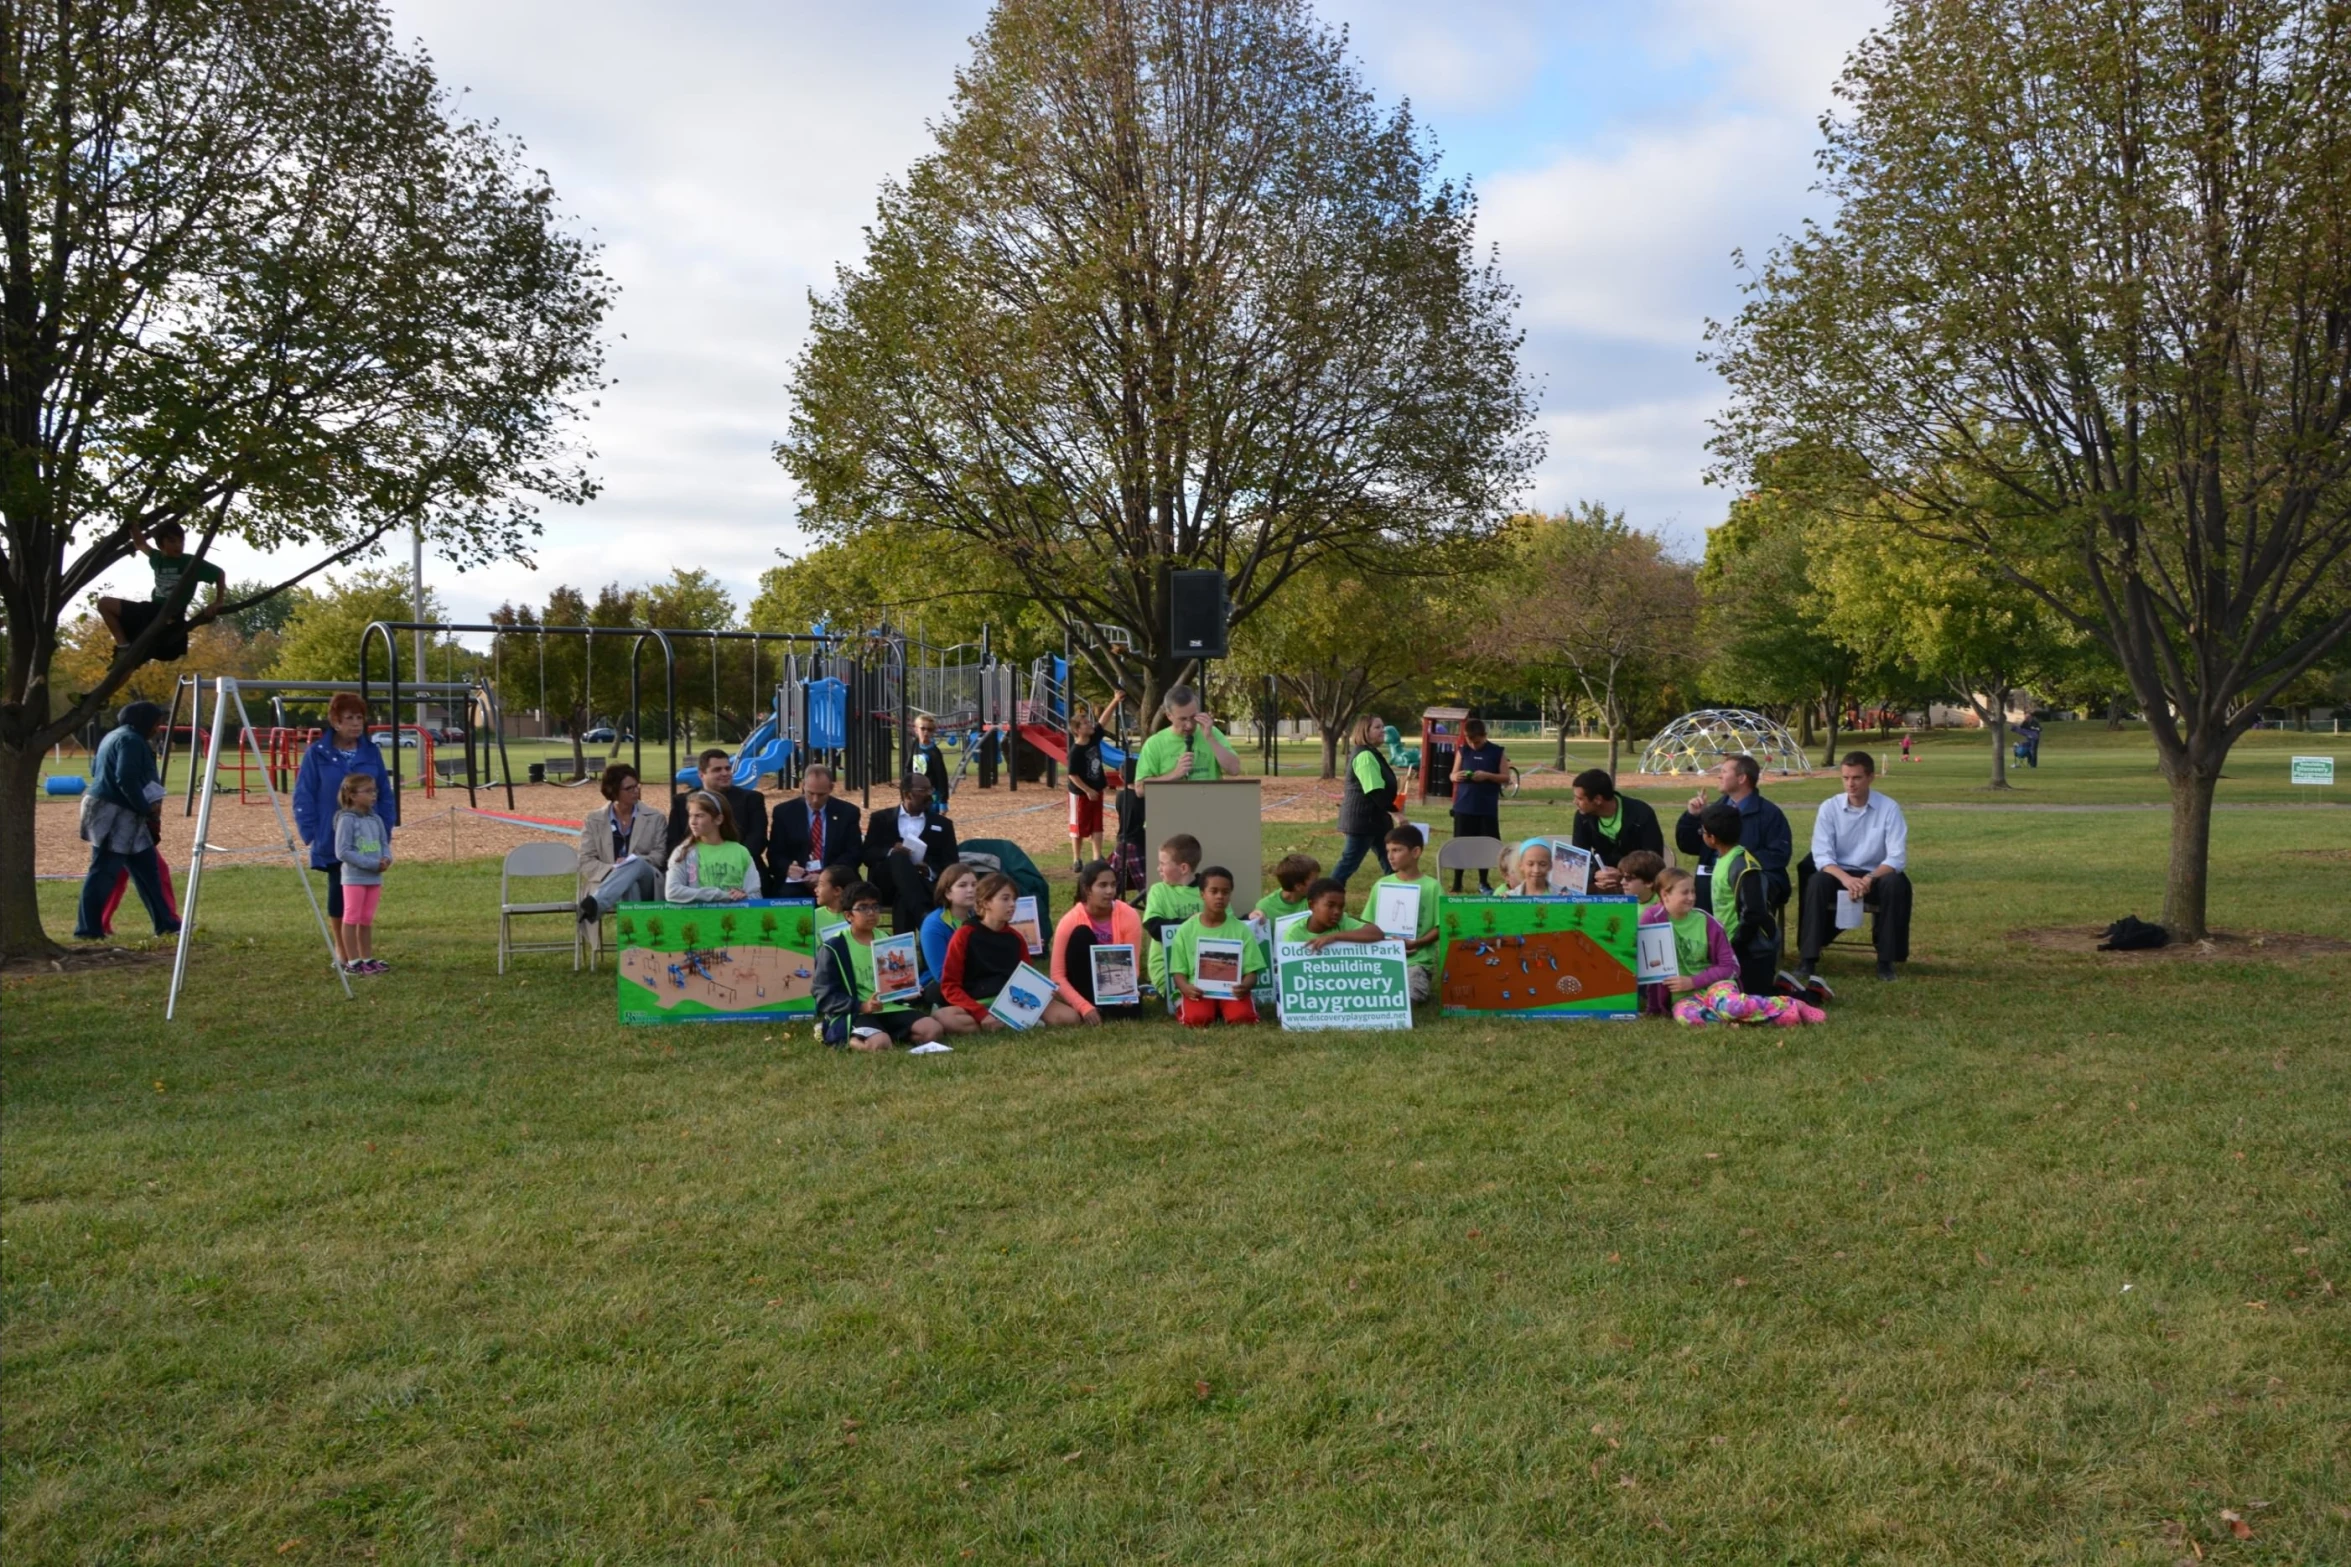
<point>828,715</point>
<point>65,783</point>
<point>763,753</point>
<point>1112,756</point>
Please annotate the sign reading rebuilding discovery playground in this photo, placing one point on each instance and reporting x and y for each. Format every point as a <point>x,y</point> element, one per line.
<point>1349,984</point>
<point>2318,770</point>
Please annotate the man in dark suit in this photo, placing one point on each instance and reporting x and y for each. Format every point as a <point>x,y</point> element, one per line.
<point>810,831</point>
<point>1611,826</point>
<point>924,756</point>
<point>746,807</point>
<point>905,849</point>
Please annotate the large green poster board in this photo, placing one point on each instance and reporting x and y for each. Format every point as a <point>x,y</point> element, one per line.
<point>1540,958</point>
<point>748,962</point>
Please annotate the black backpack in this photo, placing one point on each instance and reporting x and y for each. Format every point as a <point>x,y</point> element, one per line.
<point>2133,934</point>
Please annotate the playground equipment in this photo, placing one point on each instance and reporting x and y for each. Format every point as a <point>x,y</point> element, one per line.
<point>1440,743</point>
<point>225,691</point>
<point>271,761</point>
<point>1696,742</point>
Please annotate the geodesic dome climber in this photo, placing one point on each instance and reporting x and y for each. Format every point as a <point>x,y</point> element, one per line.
<point>1695,742</point>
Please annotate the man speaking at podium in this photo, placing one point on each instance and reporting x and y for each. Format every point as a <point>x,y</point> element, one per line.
<point>1189,748</point>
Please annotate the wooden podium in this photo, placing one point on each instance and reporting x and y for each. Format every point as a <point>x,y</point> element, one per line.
<point>1227,816</point>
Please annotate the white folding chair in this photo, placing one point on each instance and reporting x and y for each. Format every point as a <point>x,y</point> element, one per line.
<point>535,861</point>
<point>1470,854</point>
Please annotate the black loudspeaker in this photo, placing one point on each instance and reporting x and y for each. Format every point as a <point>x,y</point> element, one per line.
<point>1196,614</point>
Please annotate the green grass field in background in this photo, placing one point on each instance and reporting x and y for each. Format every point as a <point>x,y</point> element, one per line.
<point>2030,1257</point>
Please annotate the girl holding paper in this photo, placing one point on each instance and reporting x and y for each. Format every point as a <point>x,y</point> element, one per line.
<point>1702,952</point>
<point>982,957</point>
<point>1097,919</point>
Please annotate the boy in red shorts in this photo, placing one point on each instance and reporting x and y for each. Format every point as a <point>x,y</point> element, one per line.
<point>1086,780</point>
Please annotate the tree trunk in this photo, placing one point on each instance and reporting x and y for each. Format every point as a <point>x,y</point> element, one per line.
<point>1559,753</point>
<point>2114,713</point>
<point>1999,728</point>
<point>2185,883</point>
<point>1828,754</point>
<point>21,935</point>
<point>1804,725</point>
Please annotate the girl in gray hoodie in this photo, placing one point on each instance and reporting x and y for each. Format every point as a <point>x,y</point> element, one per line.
<point>363,846</point>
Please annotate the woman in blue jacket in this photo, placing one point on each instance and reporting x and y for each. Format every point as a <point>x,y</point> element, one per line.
<point>333,757</point>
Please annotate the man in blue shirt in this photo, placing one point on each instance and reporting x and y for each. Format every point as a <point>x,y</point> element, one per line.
<point>1763,830</point>
<point>1860,850</point>
<point>1479,769</point>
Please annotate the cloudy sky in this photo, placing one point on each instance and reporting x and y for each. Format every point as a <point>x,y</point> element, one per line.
<point>727,153</point>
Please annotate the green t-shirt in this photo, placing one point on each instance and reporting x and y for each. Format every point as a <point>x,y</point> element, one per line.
<point>1184,947</point>
<point>1428,956</point>
<point>861,962</point>
<point>1277,908</point>
<point>828,921</point>
<point>725,865</point>
<point>1173,904</point>
<point>1368,776</point>
<point>1612,824</point>
<point>1689,942</point>
<point>1725,889</point>
<point>170,568</point>
<point>1163,750</point>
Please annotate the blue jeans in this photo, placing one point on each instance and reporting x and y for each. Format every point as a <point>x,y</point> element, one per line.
<point>1357,846</point>
<point>98,885</point>
<point>638,883</point>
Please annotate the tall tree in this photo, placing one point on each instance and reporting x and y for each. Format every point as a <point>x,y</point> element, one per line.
<point>261,281</point>
<point>1340,644</point>
<point>2096,260</point>
<point>1588,594</point>
<point>1171,292</point>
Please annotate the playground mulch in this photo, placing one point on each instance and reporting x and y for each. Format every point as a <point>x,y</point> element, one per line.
<point>443,829</point>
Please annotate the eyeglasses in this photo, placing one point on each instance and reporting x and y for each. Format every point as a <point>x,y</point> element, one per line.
<point>865,908</point>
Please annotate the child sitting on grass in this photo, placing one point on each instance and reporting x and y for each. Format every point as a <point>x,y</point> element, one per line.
<point>1701,951</point>
<point>1171,901</point>
<point>1639,871</point>
<point>848,1010</point>
<point>1214,921</point>
<point>363,848</point>
<point>1422,949</point>
<point>1527,872</point>
<point>1291,875</point>
<point>1327,919</point>
<point>983,955</point>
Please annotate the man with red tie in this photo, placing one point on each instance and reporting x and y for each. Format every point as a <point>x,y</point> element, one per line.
<point>809,832</point>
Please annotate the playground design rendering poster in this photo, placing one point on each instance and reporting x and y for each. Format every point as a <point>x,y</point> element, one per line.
<point>1564,958</point>
<point>748,962</point>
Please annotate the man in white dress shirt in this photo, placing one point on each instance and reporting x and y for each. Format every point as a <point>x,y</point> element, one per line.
<point>1860,849</point>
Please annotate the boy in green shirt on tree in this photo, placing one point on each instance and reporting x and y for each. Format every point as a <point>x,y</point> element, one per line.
<point>1424,948</point>
<point>1171,901</point>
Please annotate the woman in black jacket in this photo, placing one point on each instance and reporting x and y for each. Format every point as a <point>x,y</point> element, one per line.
<point>1369,803</point>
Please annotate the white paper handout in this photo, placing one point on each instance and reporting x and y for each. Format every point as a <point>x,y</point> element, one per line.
<point>1571,868</point>
<point>1659,961</point>
<point>1115,982</point>
<point>1216,966</point>
<point>1396,910</point>
<point>934,1048</point>
<point>1024,920</point>
<point>1849,910</point>
<point>1021,1003</point>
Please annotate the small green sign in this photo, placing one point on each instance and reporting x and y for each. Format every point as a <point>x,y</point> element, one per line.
<point>748,962</point>
<point>1349,984</point>
<point>2319,770</point>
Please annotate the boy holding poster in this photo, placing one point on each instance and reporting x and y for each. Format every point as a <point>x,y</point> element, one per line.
<point>1702,953</point>
<point>1328,921</point>
<point>1213,956</point>
<point>1404,905</point>
<point>849,985</point>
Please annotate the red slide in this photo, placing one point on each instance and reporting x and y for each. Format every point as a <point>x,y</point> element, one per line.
<point>1049,740</point>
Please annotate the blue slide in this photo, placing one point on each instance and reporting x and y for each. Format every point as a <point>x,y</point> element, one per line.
<point>765,752</point>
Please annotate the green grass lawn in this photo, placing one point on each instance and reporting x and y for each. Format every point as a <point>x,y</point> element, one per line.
<point>2028,1257</point>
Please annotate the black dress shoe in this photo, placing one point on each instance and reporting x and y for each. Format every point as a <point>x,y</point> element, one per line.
<point>1886,971</point>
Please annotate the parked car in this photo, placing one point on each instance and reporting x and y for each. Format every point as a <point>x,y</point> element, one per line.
<point>600,735</point>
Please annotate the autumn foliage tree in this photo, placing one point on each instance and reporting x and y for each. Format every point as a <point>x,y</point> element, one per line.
<point>259,281</point>
<point>2093,261</point>
<point>1171,291</point>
